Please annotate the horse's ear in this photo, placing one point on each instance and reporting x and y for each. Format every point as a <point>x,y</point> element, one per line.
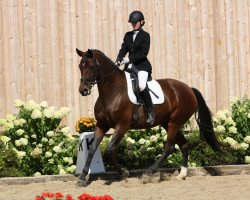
<point>90,53</point>
<point>79,52</point>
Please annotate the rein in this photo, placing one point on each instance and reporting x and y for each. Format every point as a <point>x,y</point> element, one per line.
<point>90,82</point>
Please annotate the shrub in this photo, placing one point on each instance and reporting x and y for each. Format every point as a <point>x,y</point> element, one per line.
<point>9,165</point>
<point>41,145</point>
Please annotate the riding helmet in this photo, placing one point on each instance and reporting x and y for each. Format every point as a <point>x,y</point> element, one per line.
<point>135,16</point>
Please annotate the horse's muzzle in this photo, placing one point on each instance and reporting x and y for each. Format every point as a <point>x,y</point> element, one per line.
<point>85,92</point>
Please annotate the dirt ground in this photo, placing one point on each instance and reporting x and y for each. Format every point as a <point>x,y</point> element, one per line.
<point>195,187</point>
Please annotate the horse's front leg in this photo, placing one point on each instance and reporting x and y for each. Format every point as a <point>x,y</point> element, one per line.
<point>110,153</point>
<point>99,134</point>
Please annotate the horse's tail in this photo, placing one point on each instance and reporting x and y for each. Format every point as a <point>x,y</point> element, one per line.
<point>204,121</point>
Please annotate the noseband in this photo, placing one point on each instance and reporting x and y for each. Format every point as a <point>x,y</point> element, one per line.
<point>90,82</point>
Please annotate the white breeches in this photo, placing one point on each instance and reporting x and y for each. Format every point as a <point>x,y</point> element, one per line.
<point>143,77</point>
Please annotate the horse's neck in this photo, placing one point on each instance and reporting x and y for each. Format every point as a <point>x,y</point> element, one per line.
<point>111,78</point>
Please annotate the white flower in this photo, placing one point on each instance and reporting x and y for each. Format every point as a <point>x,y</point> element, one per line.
<point>18,143</point>
<point>215,119</point>
<point>49,112</point>
<point>51,142</point>
<point>57,149</point>
<point>248,115</point>
<point>20,154</point>
<point>234,100</point>
<point>44,104</point>
<point>22,121</point>
<point>40,145</point>
<point>18,103</point>
<point>165,137</point>
<point>36,152</point>
<point>31,105</point>
<point>230,121</point>
<point>50,133</point>
<point>247,139</point>
<point>221,115</point>
<point>10,118</point>
<point>37,174</point>
<point>45,140</point>
<point>233,143</point>
<point>48,154</point>
<point>62,172</point>
<point>247,159</point>
<point>163,132</point>
<point>33,136</point>
<point>244,146</point>
<point>3,122</point>
<point>23,141</point>
<point>232,129</point>
<point>20,132</point>
<point>9,126</point>
<point>68,160</point>
<point>130,140</point>
<point>220,129</point>
<point>151,150</point>
<point>71,169</point>
<point>63,112</point>
<point>36,114</point>
<point>4,138</point>
<point>51,161</point>
<point>142,141</point>
<point>153,138</point>
<point>65,130</point>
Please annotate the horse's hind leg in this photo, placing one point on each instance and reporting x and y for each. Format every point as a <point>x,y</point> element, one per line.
<point>184,147</point>
<point>168,149</point>
<point>99,134</point>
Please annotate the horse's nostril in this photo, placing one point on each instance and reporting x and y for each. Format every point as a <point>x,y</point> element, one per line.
<point>85,92</point>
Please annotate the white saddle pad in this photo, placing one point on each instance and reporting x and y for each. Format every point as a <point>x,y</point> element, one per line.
<point>153,85</point>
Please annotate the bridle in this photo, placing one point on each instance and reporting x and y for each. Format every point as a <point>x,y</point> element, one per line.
<point>90,82</point>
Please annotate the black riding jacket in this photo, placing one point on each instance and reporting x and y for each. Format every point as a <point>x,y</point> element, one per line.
<point>138,50</point>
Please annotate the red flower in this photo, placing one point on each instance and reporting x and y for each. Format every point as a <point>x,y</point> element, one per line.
<point>45,194</point>
<point>84,197</point>
<point>107,197</point>
<point>69,197</point>
<point>39,198</point>
<point>58,195</point>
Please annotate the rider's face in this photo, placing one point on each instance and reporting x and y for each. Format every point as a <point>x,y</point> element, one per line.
<point>136,25</point>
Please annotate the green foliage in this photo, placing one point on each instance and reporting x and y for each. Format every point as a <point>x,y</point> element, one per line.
<point>41,145</point>
<point>241,116</point>
<point>9,166</point>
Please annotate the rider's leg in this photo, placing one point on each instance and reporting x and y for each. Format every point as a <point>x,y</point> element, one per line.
<point>143,77</point>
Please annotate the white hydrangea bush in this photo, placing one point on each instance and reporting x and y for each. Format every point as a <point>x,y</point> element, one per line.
<point>233,127</point>
<point>42,146</point>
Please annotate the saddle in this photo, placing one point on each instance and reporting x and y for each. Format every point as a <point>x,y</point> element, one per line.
<point>133,82</point>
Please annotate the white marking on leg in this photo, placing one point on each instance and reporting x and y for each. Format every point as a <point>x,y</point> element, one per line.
<point>183,174</point>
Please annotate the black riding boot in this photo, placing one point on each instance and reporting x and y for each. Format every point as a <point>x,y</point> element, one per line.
<point>148,105</point>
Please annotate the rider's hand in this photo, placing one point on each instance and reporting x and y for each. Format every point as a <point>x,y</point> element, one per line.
<point>117,63</point>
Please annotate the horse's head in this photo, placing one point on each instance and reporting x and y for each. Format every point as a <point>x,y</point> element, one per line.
<point>88,67</point>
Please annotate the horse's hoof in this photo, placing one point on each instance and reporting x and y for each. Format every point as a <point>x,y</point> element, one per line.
<point>146,178</point>
<point>125,173</point>
<point>82,183</point>
<point>179,178</point>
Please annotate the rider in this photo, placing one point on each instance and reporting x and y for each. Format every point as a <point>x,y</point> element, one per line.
<point>137,43</point>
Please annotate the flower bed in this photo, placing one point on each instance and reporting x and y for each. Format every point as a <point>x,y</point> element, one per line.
<point>61,196</point>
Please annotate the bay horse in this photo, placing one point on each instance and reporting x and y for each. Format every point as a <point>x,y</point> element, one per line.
<point>113,109</point>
